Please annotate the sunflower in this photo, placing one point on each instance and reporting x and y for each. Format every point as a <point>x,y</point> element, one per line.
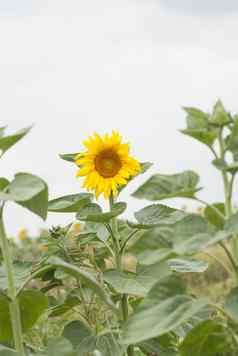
<point>106,164</point>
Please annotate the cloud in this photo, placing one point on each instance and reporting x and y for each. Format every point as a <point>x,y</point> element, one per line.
<point>15,7</point>
<point>81,66</point>
<point>211,7</point>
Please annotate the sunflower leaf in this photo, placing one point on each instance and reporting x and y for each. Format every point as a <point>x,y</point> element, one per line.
<point>93,212</point>
<point>70,203</point>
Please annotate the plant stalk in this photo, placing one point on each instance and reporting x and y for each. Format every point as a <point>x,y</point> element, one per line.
<point>119,255</point>
<point>228,190</point>
<point>13,305</point>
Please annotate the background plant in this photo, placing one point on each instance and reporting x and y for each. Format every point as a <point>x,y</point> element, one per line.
<point>118,287</point>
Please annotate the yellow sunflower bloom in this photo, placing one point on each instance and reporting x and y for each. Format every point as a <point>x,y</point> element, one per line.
<point>106,164</point>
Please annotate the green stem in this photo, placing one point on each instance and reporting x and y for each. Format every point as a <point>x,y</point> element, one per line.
<point>14,305</point>
<point>119,255</point>
<point>228,190</point>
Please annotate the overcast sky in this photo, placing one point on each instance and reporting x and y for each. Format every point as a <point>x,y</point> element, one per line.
<point>74,67</point>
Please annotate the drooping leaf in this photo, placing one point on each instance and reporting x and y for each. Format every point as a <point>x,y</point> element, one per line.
<point>28,191</point>
<point>6,142</point>
<point>208,338</point>
<point>93,212</point>
<point>84,276</point>
<point>160,186</point>
<point>70,203</point>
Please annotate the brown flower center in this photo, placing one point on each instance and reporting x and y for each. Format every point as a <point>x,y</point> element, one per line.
<point>107,163</point>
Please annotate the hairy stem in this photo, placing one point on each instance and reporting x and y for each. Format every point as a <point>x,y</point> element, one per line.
<point>228,190</point>
<point>13,305</point>
<point>119,255</point>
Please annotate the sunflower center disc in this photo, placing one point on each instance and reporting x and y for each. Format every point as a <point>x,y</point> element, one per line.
<point>107,163</point>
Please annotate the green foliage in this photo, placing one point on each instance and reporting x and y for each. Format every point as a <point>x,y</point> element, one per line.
<point>32,305</point>
<point>113,287</point>
<point>161,186</point>
<point>164,309</point>
<point>29,191</point>
<point>70,203</point>
<point>85,277</point>
<point>208,338</point>
<point>6,142</point>
<point>93,212</point>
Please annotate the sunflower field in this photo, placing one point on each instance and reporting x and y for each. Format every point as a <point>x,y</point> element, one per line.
<point>163,283</point>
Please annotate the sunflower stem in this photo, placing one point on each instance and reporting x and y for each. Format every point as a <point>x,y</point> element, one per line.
<point>119,255</point>
<point>228,190</point>
<point>13,304</point>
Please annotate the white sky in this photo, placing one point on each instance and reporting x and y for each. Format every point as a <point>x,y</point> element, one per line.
<point>74,67</point>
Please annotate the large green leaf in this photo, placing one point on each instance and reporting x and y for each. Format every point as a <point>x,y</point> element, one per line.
<point>161,186</point>
<point>164,309</point>
<point>32,304</point>
<point>138,283</point>
<point>85,277</point>
<point>158,215</point>
<point>208,338</point>
<point>188,236</point>
<point>28,191</point>
<point>70,203</point>
<point>160,318</point>
<point>93,212</point>
<point>6,142</point>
